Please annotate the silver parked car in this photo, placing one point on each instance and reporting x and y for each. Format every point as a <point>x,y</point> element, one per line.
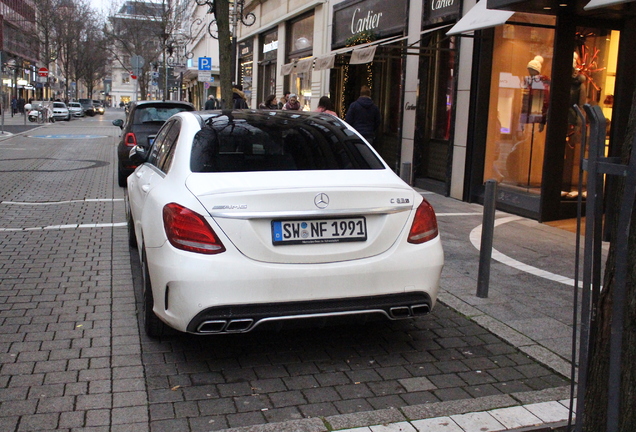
<point>60,111</point>
<point>76,110</point>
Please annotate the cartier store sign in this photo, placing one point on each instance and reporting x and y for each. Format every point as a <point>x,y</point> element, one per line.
<point>380,17</point>
<point>441,10</point>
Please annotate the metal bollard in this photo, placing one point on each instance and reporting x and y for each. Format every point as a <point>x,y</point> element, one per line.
<point>487,234</point>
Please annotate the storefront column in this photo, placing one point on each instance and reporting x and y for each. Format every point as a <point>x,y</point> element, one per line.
<point>462,113</point>
<point>410,94</point>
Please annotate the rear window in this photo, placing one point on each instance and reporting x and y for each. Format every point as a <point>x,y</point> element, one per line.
<point>156,114</point>
<point>265,144</point>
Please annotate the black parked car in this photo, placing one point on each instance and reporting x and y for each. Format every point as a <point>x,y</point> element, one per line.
<point>87,106</point>
<point>144,119</point>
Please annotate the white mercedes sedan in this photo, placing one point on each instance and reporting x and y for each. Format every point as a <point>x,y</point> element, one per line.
<point>247,217</point>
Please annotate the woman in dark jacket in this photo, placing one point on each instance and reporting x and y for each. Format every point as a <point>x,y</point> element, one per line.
<point>239,101</point>
<point>270,103</point>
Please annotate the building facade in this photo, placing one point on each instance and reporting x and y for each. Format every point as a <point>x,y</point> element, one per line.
<point>468,91</point>
<point>18,50</point>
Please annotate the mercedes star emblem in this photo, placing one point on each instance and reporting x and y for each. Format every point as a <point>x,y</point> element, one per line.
<point>321,200</point>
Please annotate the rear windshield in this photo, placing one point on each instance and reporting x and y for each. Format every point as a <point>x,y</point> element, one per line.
<point>156,114</point>
<point>262,143</point>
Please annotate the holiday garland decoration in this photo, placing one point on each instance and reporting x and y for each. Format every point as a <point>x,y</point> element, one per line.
<point>357,39</point>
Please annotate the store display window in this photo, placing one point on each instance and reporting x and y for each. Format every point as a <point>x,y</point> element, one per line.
<point>519,103</point>
<point>593,79</point>
<point>300,44</point>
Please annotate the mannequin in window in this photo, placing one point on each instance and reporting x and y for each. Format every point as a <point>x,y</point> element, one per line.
<point>536,94</point>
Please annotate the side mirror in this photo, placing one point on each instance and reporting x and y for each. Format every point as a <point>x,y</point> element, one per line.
<point>138,155</point>
<point>119,123</point>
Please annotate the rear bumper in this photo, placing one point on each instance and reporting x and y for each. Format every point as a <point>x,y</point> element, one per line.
<point>244,318</point>
<point>191,290</point>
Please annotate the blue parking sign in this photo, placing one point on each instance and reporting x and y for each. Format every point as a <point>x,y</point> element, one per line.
<point>205,63</point>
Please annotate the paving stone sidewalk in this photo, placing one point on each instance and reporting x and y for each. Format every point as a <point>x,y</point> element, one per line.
<point>72,356</point>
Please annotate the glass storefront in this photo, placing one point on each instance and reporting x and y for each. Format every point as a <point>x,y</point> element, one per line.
<point>246,64</point>
<point>519,104</point>
<point>300,46</point>
<point>435,103</point>
<point>268,48</point>
<point>593,80</point>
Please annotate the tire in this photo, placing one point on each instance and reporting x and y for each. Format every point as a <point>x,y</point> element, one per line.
<point>122,176</point>
<point>153,326</point>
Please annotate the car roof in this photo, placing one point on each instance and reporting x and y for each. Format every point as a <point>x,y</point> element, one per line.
<point>294,116</point>
<point>140,104</point>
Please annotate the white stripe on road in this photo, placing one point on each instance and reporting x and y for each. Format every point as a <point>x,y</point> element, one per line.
<point>475,239</point>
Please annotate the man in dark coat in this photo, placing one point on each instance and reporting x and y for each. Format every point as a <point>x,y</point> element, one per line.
<point>211,103</point>
<point>364,115</point>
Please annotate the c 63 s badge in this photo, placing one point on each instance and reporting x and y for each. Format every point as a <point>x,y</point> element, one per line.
<point>400,200</point>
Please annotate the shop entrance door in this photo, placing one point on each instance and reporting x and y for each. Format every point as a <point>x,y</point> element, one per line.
<point>384,77</point>
<point>435,104</point>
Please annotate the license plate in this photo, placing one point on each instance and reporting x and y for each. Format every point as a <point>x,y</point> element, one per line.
<point>313,231</point>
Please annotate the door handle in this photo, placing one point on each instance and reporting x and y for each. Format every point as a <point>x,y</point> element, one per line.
<point>145,188</point>
<point>138,174</point>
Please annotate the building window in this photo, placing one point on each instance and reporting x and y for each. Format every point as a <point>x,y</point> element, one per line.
<point>125,78</point>
<point>519,97</point>
<point>300,44</point>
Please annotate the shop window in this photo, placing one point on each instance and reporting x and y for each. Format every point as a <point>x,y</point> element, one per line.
<point>300,44</point>
<point>435,106</point>
<point>593,79</point>
<point>267,65</point>
<point>518,108</point>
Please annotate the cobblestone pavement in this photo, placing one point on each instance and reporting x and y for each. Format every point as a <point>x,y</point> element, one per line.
<point>72,356</point>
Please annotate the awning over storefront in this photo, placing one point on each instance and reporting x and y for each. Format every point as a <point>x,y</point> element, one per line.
<point>286,69</point>
<point>363,55</point>
<point>325,62</point>
<point>595,4</point>
<point>304,66</point>
<point>480,17</point>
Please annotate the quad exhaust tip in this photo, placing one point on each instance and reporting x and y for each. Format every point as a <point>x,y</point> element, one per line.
<point>242,325</point>
<point>225,326</point>
<point>409,311</point>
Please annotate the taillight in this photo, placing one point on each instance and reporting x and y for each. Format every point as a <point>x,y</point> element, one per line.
<point>189,231</point>
<point>424,226</point>
<point>130,139</point>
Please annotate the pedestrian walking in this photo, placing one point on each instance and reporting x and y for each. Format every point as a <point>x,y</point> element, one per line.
<point>239,101</point>
<point>211,103</point>
<point>21,103</point>
<point>325,106</point>
<point>293,104</point>
<point>14,106</point>
<point>269,103</point>
<point>364,116</point>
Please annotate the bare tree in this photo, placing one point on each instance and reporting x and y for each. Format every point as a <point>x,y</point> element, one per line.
<point>146,29</point>
<point>93,58</point>
<point>71,24</point>
<point>596,399</point>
